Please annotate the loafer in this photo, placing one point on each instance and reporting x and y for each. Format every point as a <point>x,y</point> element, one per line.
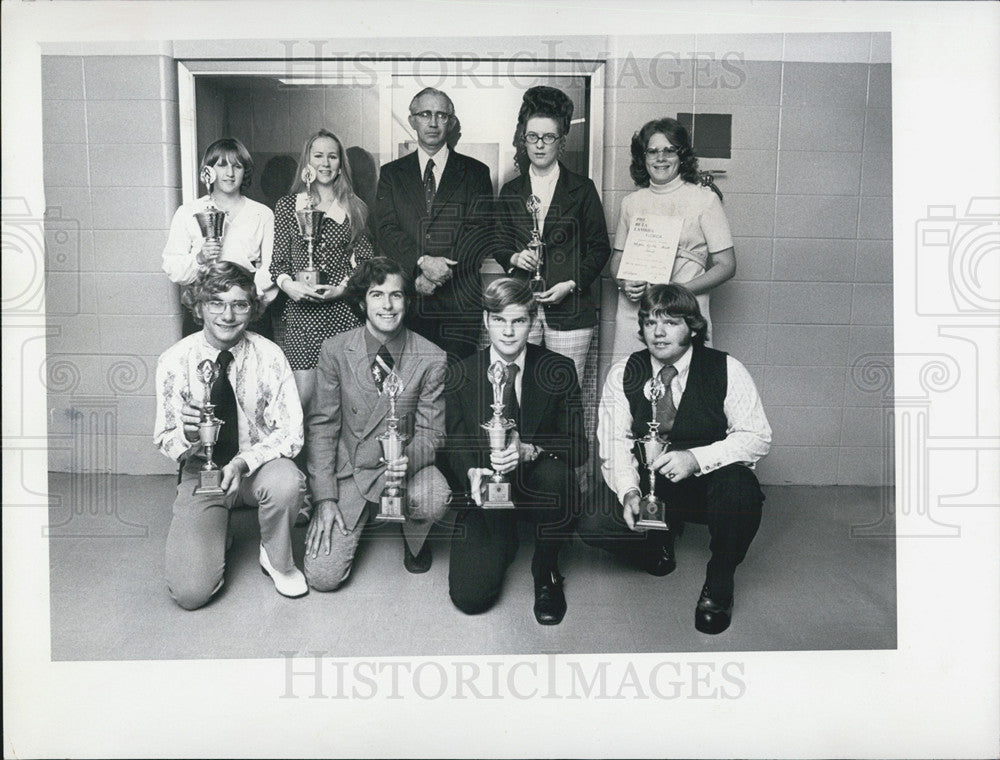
<point>663,561</point>
<point>713,615</point>
<point>419,562</point>
<point>291,584</point>
<point>550,601</point>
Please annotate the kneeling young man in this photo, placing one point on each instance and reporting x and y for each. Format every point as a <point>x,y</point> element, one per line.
<point>254,395</point>
<point>544,401</point>
<point>347,472</point>
<point>717,431</point>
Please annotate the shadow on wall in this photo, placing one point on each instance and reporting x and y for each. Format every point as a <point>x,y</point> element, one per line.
<point>278,174</point>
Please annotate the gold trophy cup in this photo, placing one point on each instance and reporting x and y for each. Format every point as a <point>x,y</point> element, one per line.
<point>392,502</point>
<point>536,283</point>
<point>310,221</point>
<point>498,429</point>
<point>652,510</point>
<point>211,221</point>
<point>210,476</point>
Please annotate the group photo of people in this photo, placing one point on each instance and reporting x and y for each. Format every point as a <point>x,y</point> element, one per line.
<point>348,366</point>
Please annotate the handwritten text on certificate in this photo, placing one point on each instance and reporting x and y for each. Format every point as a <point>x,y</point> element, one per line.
<point>650,249</point>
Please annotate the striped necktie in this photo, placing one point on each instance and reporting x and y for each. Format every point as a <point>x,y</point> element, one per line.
<point>382,365</point>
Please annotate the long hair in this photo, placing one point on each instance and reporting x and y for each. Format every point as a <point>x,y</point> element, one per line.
<point>545,102</point>
<point>343,185</point>
<point>231,151</point>
<point>374,272</point>
<point>675,301</point>
<point>675,132</point>
<point>219,277</point>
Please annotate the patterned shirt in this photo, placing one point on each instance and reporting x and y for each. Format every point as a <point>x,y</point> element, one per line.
<point>268,409</point>
<point>748,434</point>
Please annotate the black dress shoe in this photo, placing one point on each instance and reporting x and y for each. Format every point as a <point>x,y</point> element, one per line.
<point>550,601</point>
<point>419,562</point>
<point>662,561</point>
<point>713,615</point>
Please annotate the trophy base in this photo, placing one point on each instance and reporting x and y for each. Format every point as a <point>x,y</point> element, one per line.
<point>311,277</point>
<point>498,496</point>
<point>209,483</point>
<point>651,515</point>
<point>537,285</point>
<point>390,509</point>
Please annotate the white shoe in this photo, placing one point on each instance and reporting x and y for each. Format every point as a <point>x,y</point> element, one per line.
<point>291,584</point>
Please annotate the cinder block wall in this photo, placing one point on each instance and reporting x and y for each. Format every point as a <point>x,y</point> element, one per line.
<point>111,158</point>
<point>807,192</point>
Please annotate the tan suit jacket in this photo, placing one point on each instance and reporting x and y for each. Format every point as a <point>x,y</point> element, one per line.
<point>348,414</point>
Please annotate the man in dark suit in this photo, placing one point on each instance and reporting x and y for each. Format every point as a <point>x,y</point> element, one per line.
<point>347,470</point>
<point>548,442</point>
<point>432,216</point>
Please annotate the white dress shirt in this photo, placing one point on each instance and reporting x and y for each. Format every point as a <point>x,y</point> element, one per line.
<point>544,187</point>
<point>748,434</point>
<point>440,160</point>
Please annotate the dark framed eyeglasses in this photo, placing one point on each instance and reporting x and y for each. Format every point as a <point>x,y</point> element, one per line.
<point>533,138</point>
<point>428,116</point>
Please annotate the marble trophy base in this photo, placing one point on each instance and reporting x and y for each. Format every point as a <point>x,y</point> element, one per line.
<point>209,483</point>
<point>651,514</point>
<point>311,277</point>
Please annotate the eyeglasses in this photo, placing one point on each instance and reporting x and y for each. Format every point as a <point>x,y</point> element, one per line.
<point>661,152</point>
<point>533,139</point>
<point>218,307</point>
<point>427,116</point>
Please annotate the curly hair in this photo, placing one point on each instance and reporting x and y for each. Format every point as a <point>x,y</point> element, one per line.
<point>229,151</point>
<point>677,135</point>
<point>218,277</point>
<point>343,185</point>
<point>676,301</point>
<point>374,272</point>
<point>546,102</point>
<point>507,291</point>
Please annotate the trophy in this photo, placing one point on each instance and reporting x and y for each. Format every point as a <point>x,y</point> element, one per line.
<point>651,509</point>
<point>393,498</point>
<point>212,220</point>
<point>309,220</point>
<point>497,489</point>
<point>210,476</point>
<point>536,283</point>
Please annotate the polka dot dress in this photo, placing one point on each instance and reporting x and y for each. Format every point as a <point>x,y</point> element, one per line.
<point>307,325</point>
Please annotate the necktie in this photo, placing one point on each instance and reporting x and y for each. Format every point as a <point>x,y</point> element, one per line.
<point>429,185</point>
<point>511,409</point>
<point>224,398</point>
<point>665,409</point>
<point>381,366</point>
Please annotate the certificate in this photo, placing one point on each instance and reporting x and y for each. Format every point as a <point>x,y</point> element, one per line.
<point>650,249</point>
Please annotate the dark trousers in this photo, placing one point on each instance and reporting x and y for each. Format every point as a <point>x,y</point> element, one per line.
<point>486,541</point>
<point>728,500</point>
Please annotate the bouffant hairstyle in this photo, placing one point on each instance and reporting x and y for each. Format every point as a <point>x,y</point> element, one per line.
<point>218,277</point>
<point>675,301</point>
<point>229,150</point>
<point>675,132</point>
<point>547,102</point>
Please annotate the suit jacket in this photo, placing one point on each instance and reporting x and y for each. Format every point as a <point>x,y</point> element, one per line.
<point>576,241</point>
<point>551,411</point>
<point>459,225</point>
<point>348,414</point>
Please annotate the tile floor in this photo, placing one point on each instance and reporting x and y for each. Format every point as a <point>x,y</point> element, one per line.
<point>806,584</point>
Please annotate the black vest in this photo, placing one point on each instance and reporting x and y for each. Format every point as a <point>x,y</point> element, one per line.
<point>701,417</point>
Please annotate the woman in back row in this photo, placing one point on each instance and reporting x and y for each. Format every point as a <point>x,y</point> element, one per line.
<point>666,170</point>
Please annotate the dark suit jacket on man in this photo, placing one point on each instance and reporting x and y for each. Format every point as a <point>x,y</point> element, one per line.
<point>551,411</point>
<point>575,236</point>
<point>348,415</point>
<point>459,227</point>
